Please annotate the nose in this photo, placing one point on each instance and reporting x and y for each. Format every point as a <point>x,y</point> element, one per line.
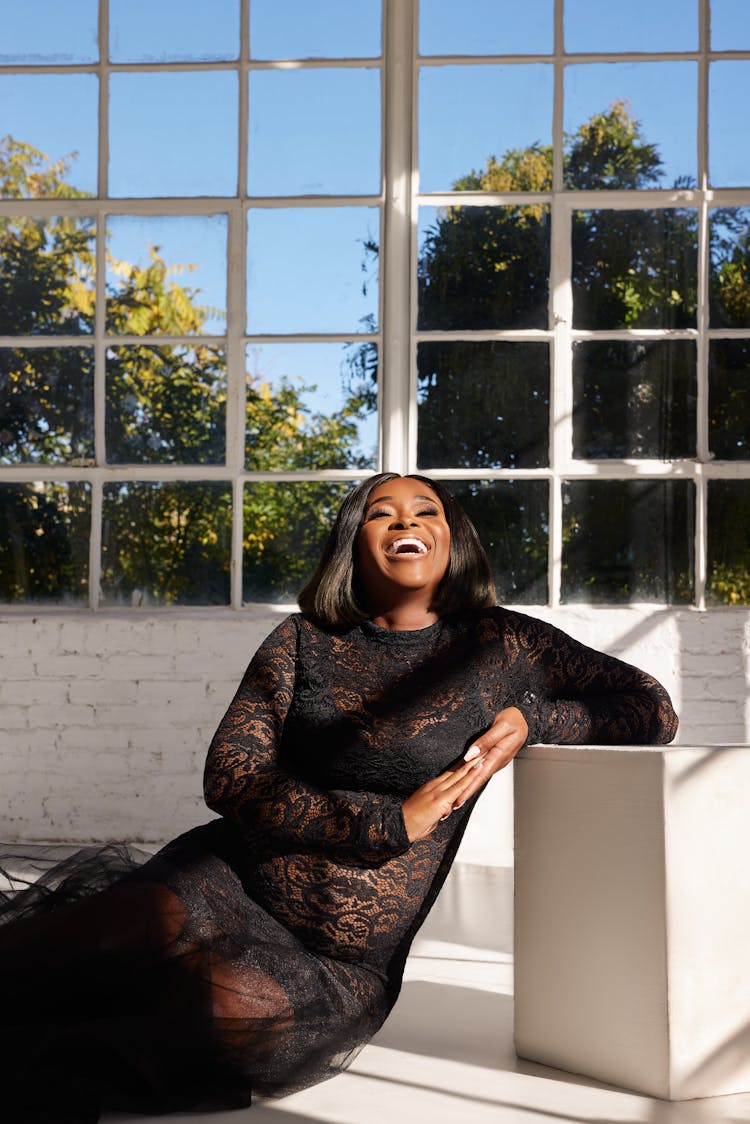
<point>401,522</point>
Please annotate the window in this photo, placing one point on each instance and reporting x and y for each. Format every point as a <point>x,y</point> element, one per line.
<point>252,251</point>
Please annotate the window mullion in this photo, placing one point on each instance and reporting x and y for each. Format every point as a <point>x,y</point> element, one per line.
<point>400,47</point>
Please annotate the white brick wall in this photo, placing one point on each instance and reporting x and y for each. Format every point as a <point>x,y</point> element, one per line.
<point>105,719</point>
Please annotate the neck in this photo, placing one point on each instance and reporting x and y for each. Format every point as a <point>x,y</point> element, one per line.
<point>403,618</point>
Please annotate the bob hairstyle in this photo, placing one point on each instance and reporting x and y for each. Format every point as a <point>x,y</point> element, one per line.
<point>334,595</point>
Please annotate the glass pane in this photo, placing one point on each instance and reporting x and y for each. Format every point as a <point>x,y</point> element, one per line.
<point>728,578</point>
<point>483,405</point>
<point>188,148</point>
<point>483,267</point>
<point>47,276</point>
<point>670,25</point>
<point>627,541</point>
<point>297,29</point>
<point>174,30</point>
<point>314,132</point>
<point>631,125</point>
<point>486,27</point>
<point>729,399</point>
<point>166,275</point>
<point>47,31</point>
<point>166,405</point>
<point>46,405</point>
<point>286,526</point>
<point>728,124</point>
<point>166,544</point>
<point>311,405</point>
<point>50,144</point>
<point>729,277</point>
<point>730,25</point>
<point>44,542</point>
<point>634,399</point>
<point>635,269</point>
<point>456,142</point>
<point>512,518</point>
<point>333,285</point>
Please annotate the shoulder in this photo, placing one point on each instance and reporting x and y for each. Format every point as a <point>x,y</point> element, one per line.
<point>516,633</point>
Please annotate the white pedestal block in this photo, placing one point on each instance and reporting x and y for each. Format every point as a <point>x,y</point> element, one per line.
<point>632,923</point>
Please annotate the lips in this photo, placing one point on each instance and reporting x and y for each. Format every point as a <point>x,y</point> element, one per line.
<point>407,544</point>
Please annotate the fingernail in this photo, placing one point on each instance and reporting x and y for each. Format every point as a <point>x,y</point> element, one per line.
<point>472,752</point>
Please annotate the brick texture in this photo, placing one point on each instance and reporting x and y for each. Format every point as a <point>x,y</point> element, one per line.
<point>105,720</point>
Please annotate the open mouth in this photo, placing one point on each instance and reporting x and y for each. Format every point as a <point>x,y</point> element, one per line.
<point>408,544</point>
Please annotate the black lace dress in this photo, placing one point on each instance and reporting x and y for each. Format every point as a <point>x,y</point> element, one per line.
<point>260,951</point>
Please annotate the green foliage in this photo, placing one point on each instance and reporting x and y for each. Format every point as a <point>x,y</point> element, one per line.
<point>165,404</point>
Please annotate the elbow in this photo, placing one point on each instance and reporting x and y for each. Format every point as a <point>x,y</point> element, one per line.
<point>666,724</point>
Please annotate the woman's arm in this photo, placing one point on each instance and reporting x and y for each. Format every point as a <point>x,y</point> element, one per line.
<point>564,692</point>
<point>244,781</point>
<point>575,694</point>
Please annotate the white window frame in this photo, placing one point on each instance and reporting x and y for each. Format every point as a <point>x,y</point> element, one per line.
<point>397,336</point>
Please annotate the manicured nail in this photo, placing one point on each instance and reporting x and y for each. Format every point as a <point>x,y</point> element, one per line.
<point>472,752</point>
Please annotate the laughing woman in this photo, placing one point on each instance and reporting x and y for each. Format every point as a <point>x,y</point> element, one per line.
<point>259,952</point>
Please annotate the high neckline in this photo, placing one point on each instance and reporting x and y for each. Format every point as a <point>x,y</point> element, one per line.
<point>401,635</point>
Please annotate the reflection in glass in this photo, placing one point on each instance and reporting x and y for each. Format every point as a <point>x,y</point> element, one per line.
<point>728,569</point>
<point>670,25</point>
<point>628,540</point>
<point>166,543</point>
<point>486,27</point>
<point>634,399</point>
<point>455,140</point>
<point>314,132</point>
<point>285,528</point>
<point>313,269</point>
<point>729,399</point>
<point>635,269</point>
<point>166,405</point>
<point>44,542</point>
<point>188,147</point>
<point>166,275</point>
<point>483,267</point>
<point>728,126</point>
<point>47,276</point>
<point>729,277</point>
<point>48,137</point>
<point>631,125</point>
<point>329,29</point>
<point>512,518</point>
<point>483,405</point>
<point>46,405</point>
<point>47,31</point>
<point>730,25</point>
<point>311,406</point>
<point>174,30</point>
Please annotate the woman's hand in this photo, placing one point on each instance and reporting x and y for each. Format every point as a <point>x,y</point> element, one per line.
<point>435,800</point>
<point>494,750</point>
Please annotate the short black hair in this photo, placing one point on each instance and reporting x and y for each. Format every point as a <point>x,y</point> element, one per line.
<point>334,596</point>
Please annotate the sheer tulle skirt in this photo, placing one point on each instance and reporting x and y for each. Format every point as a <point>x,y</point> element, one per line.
<point>156,984</point>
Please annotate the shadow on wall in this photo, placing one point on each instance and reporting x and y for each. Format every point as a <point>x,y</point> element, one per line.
<point>708,658</point>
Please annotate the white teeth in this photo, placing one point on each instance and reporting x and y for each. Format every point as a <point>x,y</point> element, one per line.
<point>398,545</point>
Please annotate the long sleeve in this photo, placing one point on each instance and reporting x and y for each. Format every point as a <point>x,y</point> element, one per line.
<point>575,694</point>
<point>245,782</point>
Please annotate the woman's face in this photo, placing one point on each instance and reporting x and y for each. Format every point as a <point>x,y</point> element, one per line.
<point>404,541</point>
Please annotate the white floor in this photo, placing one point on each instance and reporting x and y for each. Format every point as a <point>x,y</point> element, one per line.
<point>446,1056</point>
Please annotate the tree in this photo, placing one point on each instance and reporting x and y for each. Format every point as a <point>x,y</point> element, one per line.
<point>485,404</point>
<point>164,405</point>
